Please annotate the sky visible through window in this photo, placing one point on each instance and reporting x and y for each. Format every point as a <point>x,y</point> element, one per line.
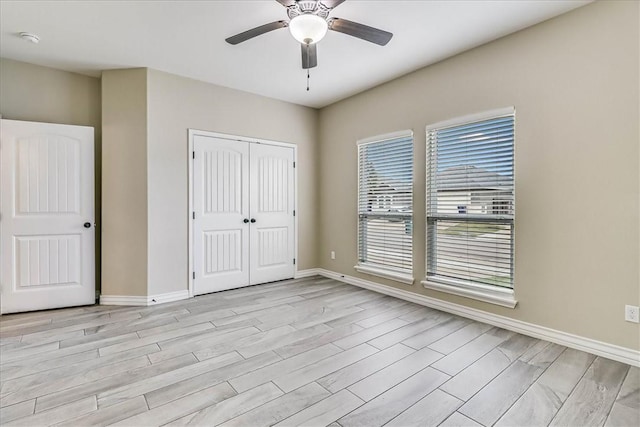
<point>378,158</point>
<point>467,145</point>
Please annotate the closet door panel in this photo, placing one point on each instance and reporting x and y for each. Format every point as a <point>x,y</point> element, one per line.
<point>272,203</point>
<point>221,205</point>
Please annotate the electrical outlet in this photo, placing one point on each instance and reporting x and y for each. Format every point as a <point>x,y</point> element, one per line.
<point>333,254</point>
<point>632,313</point>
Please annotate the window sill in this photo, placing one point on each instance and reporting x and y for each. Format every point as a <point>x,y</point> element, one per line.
<point>503,297</point>
<point>387,274</point>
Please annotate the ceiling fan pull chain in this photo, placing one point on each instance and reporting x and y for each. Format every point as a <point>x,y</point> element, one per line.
<point>308,56</point>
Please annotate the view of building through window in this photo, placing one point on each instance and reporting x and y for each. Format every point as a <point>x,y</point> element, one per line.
<point>470,201</point>
<point>385,204</point>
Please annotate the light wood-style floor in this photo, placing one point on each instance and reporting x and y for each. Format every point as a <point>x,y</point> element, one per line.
<point>301,352</point>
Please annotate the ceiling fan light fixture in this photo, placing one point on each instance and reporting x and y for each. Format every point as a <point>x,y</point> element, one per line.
<point>308,28</point>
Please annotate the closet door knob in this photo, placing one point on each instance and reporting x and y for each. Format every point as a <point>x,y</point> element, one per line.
<point>253,220</point>
<point>246,220</point>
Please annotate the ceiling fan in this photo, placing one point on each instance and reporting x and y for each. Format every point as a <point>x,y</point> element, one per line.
<point>308,22</point>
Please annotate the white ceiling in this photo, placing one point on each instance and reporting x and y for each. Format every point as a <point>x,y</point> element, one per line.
<point>187,38</point>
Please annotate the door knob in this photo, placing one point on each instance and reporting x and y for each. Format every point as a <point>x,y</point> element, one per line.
<point>253,220</point>
<point>87,225</point>
<point>246,220</point>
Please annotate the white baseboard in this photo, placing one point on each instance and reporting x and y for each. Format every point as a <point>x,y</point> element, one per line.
<point>307,273</point>
<point>143,301</point>
<point>173,296</point>
<point>610,351</point>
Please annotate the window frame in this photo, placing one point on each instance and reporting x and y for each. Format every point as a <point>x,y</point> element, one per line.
<point>377,270</point>
<point>502,296</point>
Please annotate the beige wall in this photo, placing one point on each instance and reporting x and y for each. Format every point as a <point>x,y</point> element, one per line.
<point>574,83</point>
<point>41,94</point>
<point>124,183</point>
<point>177,104</point>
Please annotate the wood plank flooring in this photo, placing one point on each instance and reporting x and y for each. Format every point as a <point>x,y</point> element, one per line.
<point>310,352</point>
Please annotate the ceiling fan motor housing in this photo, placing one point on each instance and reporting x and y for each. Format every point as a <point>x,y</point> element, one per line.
<point>311,7</point>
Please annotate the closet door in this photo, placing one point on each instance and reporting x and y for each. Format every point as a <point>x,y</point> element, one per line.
<point>243,219</point>
<point>272,218</point>
<point>221,214</point>
<point>47,233</point>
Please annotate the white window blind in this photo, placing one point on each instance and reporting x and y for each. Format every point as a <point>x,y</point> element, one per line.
<point>385,204</point>
<point>470,202</point>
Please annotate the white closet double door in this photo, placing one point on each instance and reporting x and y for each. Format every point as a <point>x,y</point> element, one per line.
<point>243,219</point>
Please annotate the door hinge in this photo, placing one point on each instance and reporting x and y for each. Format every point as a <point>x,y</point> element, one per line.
<point>294,164</point>
<point>294,261</point>
<point>193,214</point>
<point>294,212</point>
<point>193,154</point>
<point>194,275</point>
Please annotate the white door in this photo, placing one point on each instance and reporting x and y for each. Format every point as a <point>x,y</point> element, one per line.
<point>221,214</point>
<point>271,201</point>
<point>243,223</point>
<point>47,231</point>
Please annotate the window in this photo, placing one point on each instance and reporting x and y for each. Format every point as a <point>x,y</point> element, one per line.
<point>470,206</point>
<point>385,206</point>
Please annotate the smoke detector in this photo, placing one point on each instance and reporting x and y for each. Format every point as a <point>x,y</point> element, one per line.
<point>30,37</point>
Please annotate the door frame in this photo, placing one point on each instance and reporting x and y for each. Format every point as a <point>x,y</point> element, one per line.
<point>196,132</point>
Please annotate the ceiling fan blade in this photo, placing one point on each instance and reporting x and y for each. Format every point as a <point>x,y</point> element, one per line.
<point>361,31</point>
<point>309,55</point>
<point>286,3</point>
<point>249,34</point>
<point>331,4</point>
